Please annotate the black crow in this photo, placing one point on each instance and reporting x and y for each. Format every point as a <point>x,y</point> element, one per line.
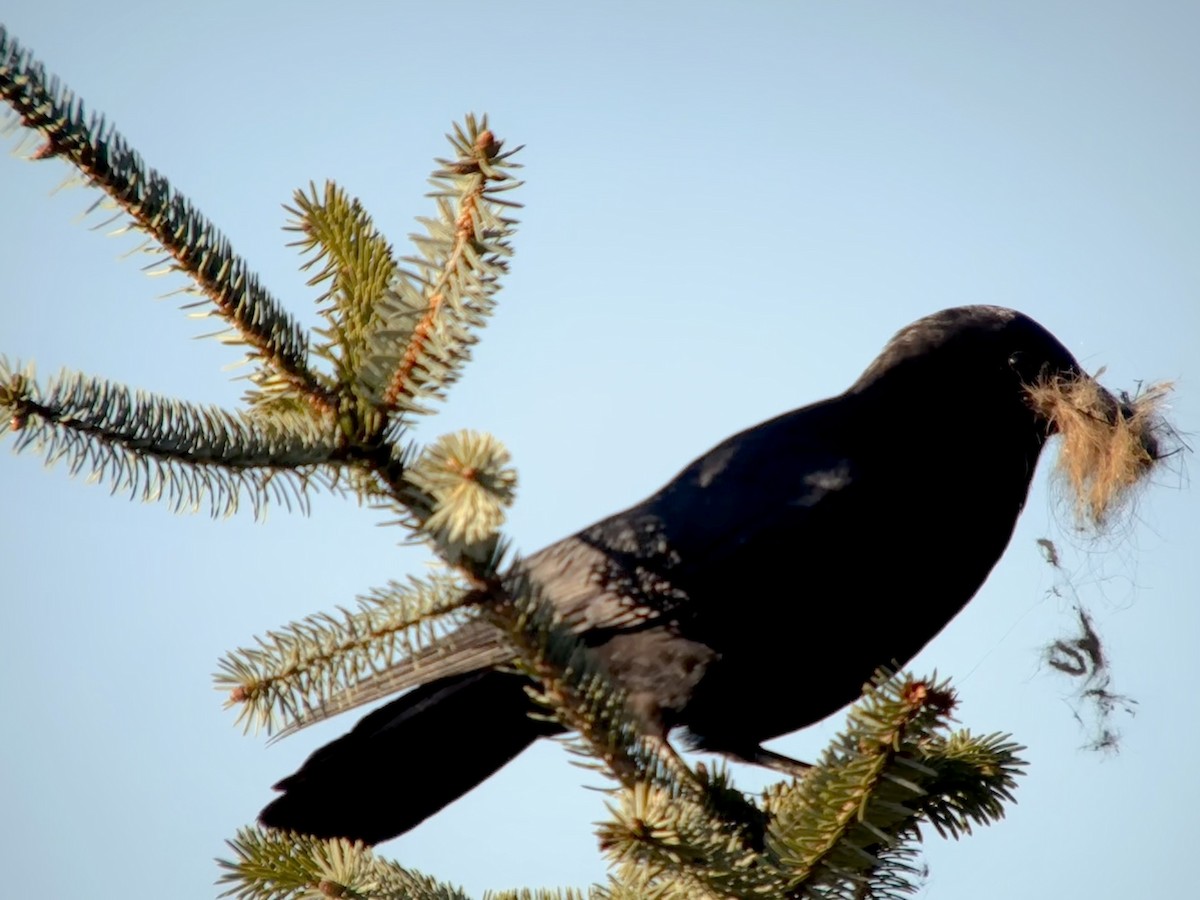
<point>755,593</point>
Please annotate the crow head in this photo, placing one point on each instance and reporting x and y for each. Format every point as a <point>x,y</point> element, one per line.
<point>991,373</point>
<point>982,350</point>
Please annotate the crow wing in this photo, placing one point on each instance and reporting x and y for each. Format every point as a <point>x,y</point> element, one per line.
<point>621,574</point>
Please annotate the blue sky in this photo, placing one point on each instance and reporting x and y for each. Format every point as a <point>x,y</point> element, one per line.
<point>729,209</point>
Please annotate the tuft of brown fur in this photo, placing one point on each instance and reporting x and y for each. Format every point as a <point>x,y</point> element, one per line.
<point>1109,445</point>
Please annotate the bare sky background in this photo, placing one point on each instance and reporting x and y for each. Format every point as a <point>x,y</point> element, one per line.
<point>729,209</point>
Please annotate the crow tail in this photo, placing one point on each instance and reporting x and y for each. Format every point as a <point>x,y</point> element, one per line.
<point>408,759</point>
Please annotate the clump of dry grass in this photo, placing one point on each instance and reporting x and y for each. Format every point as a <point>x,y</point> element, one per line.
<point>1109,445</point>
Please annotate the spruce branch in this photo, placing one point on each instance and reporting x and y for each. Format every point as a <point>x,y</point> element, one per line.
<point>193,244</point>
<point>453,493</point>
<point>163,449</point>
<point>356,268</point>
<point>975,778</point>
<point>646,883</point>
<point>426,321</point>
<point>540,894</point>
<point>273,866</point>
<point>649,830</point>
<point>575,687</point>
<point>458,488</point>
<point>311,668</point>
<point>846,828</point>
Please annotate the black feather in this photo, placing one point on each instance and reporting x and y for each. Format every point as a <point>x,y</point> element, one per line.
<point>759,589</point>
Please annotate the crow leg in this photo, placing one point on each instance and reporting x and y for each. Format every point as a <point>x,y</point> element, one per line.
<point>761,756</point>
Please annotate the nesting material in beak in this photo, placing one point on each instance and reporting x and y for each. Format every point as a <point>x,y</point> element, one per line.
<point>1109,445</point>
